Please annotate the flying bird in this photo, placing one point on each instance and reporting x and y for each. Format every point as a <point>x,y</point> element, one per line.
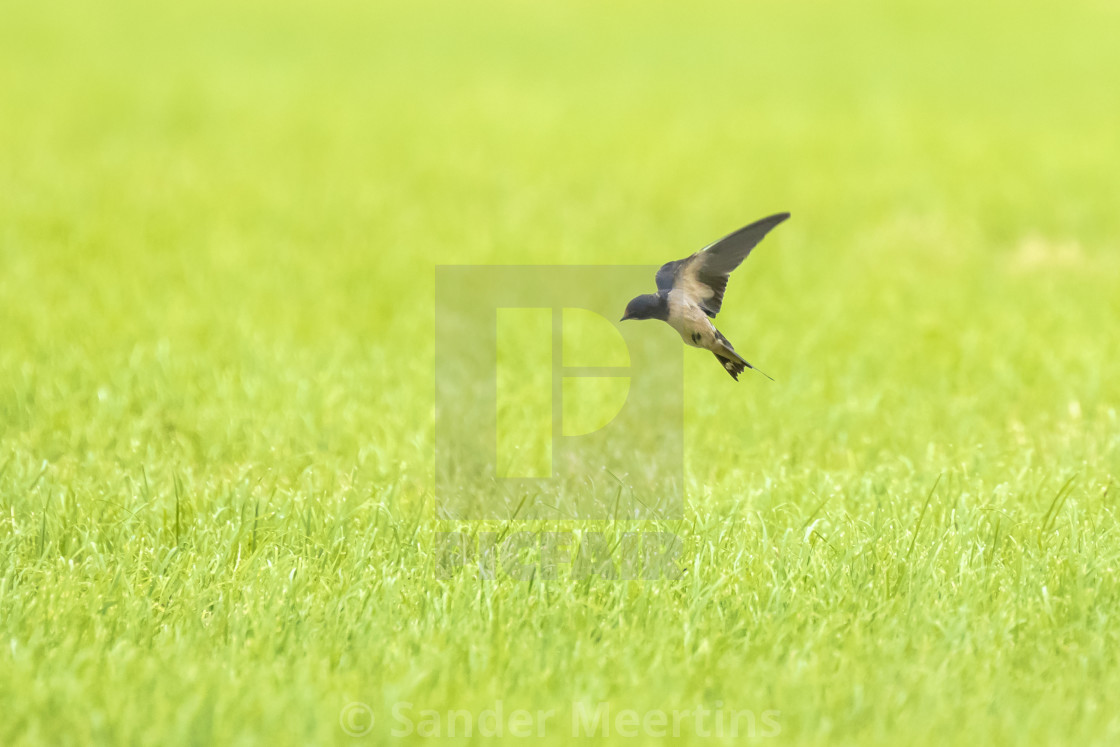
<point>690,292</point>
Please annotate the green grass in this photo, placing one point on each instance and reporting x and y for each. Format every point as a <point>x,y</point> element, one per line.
<point>219,224</point>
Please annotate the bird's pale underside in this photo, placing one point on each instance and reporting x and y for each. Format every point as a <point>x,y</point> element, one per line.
<point>690,292</point>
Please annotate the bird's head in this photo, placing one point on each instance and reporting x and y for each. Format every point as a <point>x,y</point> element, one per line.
<point>648,306</point>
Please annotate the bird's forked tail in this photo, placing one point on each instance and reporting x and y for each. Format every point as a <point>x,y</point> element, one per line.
<point>732,362</point>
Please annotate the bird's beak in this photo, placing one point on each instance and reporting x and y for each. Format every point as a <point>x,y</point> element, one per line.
<point>624,318</point>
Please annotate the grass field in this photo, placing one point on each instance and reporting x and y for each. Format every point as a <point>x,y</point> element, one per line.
<point>219,226</point>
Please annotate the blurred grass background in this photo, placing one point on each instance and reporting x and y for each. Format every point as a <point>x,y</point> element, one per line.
<point>218,229</point>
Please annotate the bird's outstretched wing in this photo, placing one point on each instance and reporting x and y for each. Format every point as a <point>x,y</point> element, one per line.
<point>703,276</point>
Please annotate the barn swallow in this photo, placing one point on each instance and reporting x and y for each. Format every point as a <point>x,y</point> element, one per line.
<point>690,292</point>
